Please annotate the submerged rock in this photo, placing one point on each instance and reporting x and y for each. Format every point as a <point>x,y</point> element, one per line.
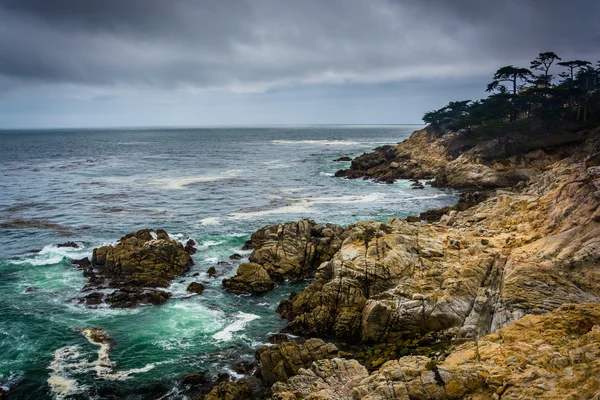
<point>343,159</point>
<point>68,244</point>
<point>136,265</point>
<point>196,287</point>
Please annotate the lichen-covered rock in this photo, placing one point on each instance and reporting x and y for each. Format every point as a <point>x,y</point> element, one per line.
<point>280,362</point>
<point>523,251</point>
<point>325,380</point>
<point>231,390</point>
<point>136,265</point>
<point>288,252</point>
<point>552,356</point>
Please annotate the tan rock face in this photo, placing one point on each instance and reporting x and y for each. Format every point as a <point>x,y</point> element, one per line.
<point>552,356</point>
<point>280,362</point>
<point>291,252</point>
<point>524,251</point>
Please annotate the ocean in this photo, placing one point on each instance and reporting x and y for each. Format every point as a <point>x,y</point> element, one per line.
<point>215,185</point>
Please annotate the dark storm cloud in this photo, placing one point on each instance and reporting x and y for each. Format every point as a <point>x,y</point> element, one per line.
<point>254,45</point>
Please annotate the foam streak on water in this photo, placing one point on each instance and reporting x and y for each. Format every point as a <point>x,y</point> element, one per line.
<point>216,186</point>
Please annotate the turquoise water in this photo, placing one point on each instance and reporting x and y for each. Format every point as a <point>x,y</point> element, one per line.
<point>215,185</point>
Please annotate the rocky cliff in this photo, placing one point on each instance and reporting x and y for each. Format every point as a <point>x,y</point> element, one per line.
<point>457,161</point>
<point>499,298</point>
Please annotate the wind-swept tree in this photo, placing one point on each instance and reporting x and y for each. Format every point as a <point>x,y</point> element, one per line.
<point>510,74</point>
<point>448,116</point>
<point>572,66</point>
<point>542,63</point>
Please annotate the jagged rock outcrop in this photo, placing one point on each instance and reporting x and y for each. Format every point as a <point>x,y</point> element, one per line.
<point>454,161</point>
<point>552,356</point>
<point>288,252</point>
<point>136,266</point>
<point>522,251</point>
<point>250,278</point>
<point>325,380</point>
<point>280,362</point>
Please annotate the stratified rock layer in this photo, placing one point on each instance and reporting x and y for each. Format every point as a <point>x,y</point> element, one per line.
<point>552,356</point>
<point>288,252</point>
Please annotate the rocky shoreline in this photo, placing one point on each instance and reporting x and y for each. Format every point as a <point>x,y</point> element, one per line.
<point>496,297</point>
<point>453,303</point>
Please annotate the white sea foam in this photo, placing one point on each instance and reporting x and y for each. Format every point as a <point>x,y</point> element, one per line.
<point>50,255</point>
<point>303,205</point>
<point>176,183</point>
<point>242,319</point>
<point>210,221</point>
<point>298,208</point>
<point>154,235</point>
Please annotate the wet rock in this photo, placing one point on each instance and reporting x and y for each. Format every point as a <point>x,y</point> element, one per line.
<point>128,298</point>
<point>94,298</point>
<point>343,159</point>
<point>68,244</point>
<point>195,379</point>
<point>236,256</point>
<point>212,272</point>
<point>196,287</point>
<point>82,263</point>
<point>282,361</point>
<point>29,289</point>
<point>250,278</point>
<point>190,247</point>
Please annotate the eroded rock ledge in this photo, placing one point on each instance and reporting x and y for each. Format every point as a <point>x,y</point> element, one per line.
<point>137,265</point>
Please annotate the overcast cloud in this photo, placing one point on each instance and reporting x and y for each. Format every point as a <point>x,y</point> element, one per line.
<point>185,62</point>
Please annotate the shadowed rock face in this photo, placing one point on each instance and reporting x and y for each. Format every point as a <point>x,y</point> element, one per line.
<point>288,252</point>
<point>137,264</point>
<point>524,251</point>
<point>552,356</point>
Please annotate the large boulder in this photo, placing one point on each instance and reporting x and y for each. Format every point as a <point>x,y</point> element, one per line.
<point>282,361</point>
<point>136,265</point>
<point>250,278</point>
<point>287,252</point>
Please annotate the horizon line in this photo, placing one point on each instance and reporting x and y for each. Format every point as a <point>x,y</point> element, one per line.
<point>172,127</point>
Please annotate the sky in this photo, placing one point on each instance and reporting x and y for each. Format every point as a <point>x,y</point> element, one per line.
<point>109,63</point>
